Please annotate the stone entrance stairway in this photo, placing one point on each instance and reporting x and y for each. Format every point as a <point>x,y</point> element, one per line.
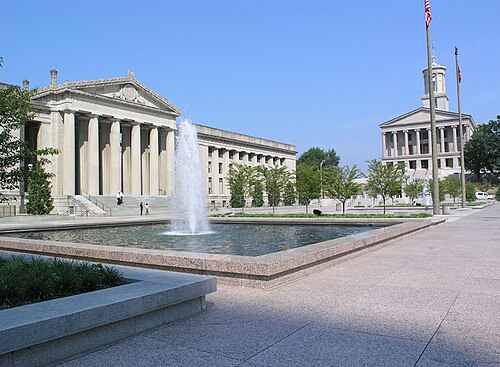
<point>158,205</point>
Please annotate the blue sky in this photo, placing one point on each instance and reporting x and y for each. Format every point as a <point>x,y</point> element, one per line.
<point>309,73</point>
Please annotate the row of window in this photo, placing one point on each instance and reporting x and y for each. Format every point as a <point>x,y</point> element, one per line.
<point>221,186</point>
<point>241,156</point>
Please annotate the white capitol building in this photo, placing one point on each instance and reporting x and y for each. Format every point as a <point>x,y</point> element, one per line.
<point>406,138</point>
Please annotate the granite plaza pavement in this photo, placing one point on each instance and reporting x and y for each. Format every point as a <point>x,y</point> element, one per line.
<point>427,299</point>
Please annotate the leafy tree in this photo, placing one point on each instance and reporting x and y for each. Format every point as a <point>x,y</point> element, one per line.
<point>289,194</point>
<point>413,190</point>
<point>453,187</point>
<point>315,156</point>
<point>339,183</point>
<point>257,194</point>
<point>482,151</point>
<point>470,191</point>
<point>308,185</point>
<point>15,112</point>
<point>485,185</point>
<point>275,181</point>
<point>240,180</point>
<point>39,196</point>
<point>442,189</point>
<point>384,180</point>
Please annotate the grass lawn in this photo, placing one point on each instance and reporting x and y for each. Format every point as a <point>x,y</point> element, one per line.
<point>29,280</point>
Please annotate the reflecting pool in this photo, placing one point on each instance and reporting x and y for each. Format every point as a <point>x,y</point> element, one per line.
<point>231,239</point>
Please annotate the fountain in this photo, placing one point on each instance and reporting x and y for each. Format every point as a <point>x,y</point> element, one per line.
<point>189,214</point>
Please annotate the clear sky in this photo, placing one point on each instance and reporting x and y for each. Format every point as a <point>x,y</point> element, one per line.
<point>309,73</point>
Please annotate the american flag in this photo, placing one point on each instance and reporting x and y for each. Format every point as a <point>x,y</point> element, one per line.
<point>459,72</point>
<point>428,16</point>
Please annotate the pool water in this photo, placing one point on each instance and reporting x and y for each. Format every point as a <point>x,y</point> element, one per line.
<point>230,239</point>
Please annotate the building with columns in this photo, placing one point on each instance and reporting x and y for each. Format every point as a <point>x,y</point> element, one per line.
<point>407,138</point>
<point>116,134</point>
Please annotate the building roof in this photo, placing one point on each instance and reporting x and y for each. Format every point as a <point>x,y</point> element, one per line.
<point>83,85</point>
<point>424,112</point>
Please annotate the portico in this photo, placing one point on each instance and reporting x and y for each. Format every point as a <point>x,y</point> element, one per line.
<point>113,135</point>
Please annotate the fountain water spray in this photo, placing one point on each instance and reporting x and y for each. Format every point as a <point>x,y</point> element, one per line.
<point>189,210</point>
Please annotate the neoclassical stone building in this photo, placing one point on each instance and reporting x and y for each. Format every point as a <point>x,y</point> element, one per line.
<point>116,134</point>
<point>407,138</point>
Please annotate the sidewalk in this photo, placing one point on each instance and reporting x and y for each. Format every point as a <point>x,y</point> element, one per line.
<point>428,299</point>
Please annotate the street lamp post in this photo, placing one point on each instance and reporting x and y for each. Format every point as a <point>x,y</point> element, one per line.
<point>321,178</point>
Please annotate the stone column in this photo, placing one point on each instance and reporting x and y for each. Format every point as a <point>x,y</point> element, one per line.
<point>406,150</point>
<point>69,153</point>
<point>417,138</point>
<point>115,183</point>
<point>429,141</point>
<point>93,173</point>
<point>455,146</point>
<point>135,160</point>
<point>441,136</point>
<point>384,152</point>
<point>145,161</point>
<point>57,138</point>
<point>395,143</point>
<point>83,146</point>
<point>104,147</point>
<point>154,178</point>
<point>126,160</point>
<point>170,162</point>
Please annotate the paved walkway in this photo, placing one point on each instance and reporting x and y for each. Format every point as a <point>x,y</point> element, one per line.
<point>428,299</point>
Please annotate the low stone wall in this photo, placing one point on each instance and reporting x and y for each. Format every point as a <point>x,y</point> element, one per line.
<point>43,333</point>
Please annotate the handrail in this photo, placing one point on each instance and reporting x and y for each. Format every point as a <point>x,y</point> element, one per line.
<point>85,211</point>
<point>95,201</point>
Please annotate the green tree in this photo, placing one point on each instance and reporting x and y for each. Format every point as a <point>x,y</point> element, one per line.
<point>413,190</point>
<point>315,156</point>
<point>485,185</point>
<point>384,180</point>
<point>470,191</point>
<point>15,112</point>
<point>289,194</point>
<point>275,181</point>
<point>308,185</point>
<point>240,180</point>
<point>453,187</point>
<point>39,196</point>
<point>442,189</point>
<point>339,183</point>
<point>482,151</point>
<point>257,194</point>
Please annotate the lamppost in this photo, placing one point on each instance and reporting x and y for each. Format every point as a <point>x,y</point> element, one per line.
<point>321,178</point>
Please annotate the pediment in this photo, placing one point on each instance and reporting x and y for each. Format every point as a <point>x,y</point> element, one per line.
<point>128,90</point>
<point>418,116</point>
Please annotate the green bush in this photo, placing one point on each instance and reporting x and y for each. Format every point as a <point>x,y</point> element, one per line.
<point>24,281</point>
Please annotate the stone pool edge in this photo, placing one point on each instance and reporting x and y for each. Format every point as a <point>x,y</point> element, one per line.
<point>47,332</point>
<point>265,271</point>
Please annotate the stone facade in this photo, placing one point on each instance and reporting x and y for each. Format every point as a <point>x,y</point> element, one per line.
<point>118,135</point>
<point>407,138</point>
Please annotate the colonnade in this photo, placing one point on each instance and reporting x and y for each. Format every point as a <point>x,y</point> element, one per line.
<point>102,155</point>
<point>418,141</point>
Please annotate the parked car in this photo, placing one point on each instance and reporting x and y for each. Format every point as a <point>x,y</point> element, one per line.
<point>483,196</point>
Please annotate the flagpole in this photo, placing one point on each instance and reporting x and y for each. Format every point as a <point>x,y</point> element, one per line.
<point>435,176</point>
<point>460,129</point>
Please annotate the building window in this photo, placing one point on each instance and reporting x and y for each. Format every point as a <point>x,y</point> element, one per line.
<point>436,102</point>
<point>434,84</point>
<point>210,151</point>
<point>221,153</point>
<point>220,168</point>
<point>449,162</point>
<point>410,150</point>
<point>424,135</point>
<point>221,186</point>
<point>231,154</point>
<point>413,164</point>
<point>209,167</point>
<point>241,156</point>
<point>424,163</point>
<point>209,185</point>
